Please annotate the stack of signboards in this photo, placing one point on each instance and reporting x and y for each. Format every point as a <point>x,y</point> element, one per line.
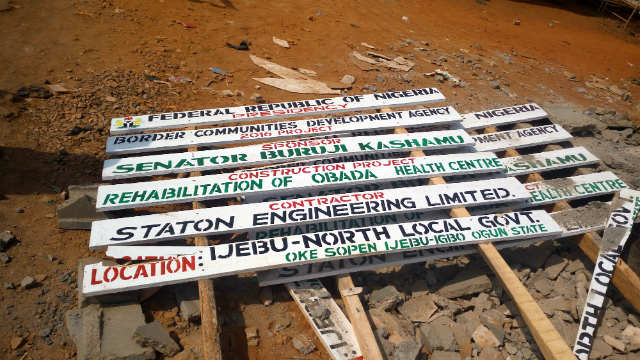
<point>333,195</point>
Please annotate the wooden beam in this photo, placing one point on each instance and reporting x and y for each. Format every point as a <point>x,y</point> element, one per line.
<point>624,278</point>
<point>358,318</point>
<point>544,333</point>
<point>208,310</point>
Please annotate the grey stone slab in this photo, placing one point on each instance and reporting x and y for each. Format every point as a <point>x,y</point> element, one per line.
<point>156,336</point>
<point>188,300</point>
<point>119,324</point>
<point>79,211</point>
<point>89,344</point>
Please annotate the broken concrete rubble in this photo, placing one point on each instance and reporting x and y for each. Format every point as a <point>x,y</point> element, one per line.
<point>79,211</point>
<point>188,300</point>
<point>156,336</point>
<point>466,283</point>
<point>386,298</point>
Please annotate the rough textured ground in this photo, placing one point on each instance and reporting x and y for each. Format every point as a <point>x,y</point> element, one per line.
<point>563,54</point>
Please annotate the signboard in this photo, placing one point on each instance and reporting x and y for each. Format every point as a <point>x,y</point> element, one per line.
<point>613,241</point>
<point>520,138</point>
<point>573,222</point>
<point>279,152</point>
<point>240,218</point>
<point>326,318</point>
<point>256,255</point>
<point>172,120</point>
<point>127,144</point>
<point>548,160</point>
<point>503,116</point>
<point>122,196</point>
<point>571,188</point>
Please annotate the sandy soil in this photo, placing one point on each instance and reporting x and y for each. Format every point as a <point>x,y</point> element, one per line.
<point>104,48</point>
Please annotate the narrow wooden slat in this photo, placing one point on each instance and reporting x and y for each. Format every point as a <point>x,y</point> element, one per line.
<point>208,310</point>
<point>544,333</point>
<point>359,319</point>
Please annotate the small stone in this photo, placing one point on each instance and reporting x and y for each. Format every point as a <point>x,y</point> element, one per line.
<point>156,336</point>
<point>28,282</point>
<point>257,98</point>
<point>370,88</point>
<point>516,22</point>
<point>484,337</point>
<point>17,341</point>
<point>6,239</point>
<point>614,343</point>
<point>4,258</point>
<point>544,286</point>
<point>253,338</point>
<point>9,285</point>
<point>19,210</point>
<point>495,84</point>
<point>348,79</point>
<point>600,349</point>
<point>227,93</point>
<point>490,353</point>
<point>45,332</point>
<point>266,295</point>
<point>303,345</point>
<point>631,335</point>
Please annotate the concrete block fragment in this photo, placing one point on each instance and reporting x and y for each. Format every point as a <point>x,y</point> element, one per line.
<point>188,300</point>
<point>156,336</point>
<point>119,324</point>
<point>73,323</point>
<point>466,283</point>
<point>89,344</point>
<point>79,211</point>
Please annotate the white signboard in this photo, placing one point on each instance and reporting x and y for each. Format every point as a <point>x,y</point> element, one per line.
<point>503,116</point>
<point>326,318</point>
<point>573,222</point>
<point>256,255</point>
<point>548,160</point>
<point>520,138</point>
<point>279,152</point>
<point>240,218</point>
<point>572,188</point>
<point>127,144</point>
<point>613,241</point>
<point>172,120</point>
<point>122,196</point>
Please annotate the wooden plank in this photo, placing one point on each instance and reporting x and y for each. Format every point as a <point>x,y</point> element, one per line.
<point>624,211</point>
<point>209,324</point>
<point>128,144</point>
<point>249,256</point>
<point>546,336</point>
<point>359,319</point>
<point>138,123</point>
<point>520,138</point>
<point>270,153</point>
<point>242,218</point>
<point>326,318</point>
<point>122,196</point>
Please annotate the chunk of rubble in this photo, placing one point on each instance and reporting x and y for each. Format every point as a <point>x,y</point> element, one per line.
<point>438,337</point>
<point>253,337</point>
<point>418,309</point>
<point>445,355</point>
<point>484,337</point>
<point>188,300</point>
<point>156,336</point>
<point>79,211</point>
<point>303,344</point>
<point>466,283</point>
<point>386,298</point>
<point>554,266</point>
<point>6,239</point>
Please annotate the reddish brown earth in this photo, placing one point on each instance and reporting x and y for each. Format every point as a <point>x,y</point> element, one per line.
<point>103,48</point>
